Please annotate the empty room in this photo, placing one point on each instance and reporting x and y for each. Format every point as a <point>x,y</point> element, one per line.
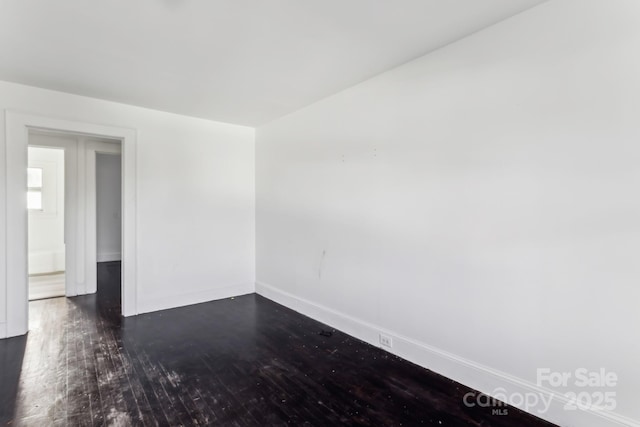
<point>305,212</point>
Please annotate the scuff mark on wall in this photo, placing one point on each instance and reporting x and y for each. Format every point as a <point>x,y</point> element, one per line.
<point>324,253</point>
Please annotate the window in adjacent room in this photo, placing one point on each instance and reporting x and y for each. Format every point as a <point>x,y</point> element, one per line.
<point>34,189</point>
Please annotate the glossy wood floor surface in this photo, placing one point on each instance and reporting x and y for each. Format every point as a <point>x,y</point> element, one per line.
<point>244,361</point>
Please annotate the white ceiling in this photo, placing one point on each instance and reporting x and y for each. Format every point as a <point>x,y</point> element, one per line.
<point>237,61</point>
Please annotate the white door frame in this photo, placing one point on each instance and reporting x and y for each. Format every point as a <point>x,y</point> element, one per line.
<point>16,283</point>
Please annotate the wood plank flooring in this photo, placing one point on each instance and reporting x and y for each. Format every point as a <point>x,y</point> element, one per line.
<point>244,361</point>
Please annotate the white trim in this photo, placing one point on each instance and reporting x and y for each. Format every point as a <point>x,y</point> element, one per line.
<point>80,221</point>
<point>464,371</point>
<point>16,227</point>
<point>42,262</point>
<point>198,297</point>
<point>109,256</point>
<point>15,251</point>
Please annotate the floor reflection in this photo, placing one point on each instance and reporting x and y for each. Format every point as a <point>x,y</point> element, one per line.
<point>11,356</point>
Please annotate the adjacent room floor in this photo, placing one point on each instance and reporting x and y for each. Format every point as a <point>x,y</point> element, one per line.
<point>243,361</point>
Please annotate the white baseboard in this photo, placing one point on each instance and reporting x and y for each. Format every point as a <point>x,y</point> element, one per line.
<point>46,262</point>
<point>148,305</point>
<point>3,330</point>
<point>109,256</point>
<point>471,374</point>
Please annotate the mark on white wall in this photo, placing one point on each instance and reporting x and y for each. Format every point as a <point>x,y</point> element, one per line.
<point>324,253</point>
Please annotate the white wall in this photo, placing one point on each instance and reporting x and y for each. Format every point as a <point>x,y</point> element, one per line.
<point>195,190</point>
<point>479,204</point>
<point>108,207</point>
<point>46,227</point>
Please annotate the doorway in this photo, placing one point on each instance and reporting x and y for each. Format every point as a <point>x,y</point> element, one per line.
<point>108,225</point>
<point>15,261</point>
<point>52,210</point>
<point>74,202</point>
<point>45,205</point>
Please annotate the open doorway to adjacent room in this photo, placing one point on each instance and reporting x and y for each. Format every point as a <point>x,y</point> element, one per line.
<point>108,197</point>
<point>81,142</point>
<point>45,204</point>
<point>74,193</point>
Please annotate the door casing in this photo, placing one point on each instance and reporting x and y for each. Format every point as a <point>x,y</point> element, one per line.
<point>15,254</point>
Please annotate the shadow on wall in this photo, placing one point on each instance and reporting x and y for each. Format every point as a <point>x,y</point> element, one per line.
<point>11,356</point>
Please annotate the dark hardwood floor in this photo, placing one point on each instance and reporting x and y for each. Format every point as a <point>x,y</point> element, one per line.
<point>242,361</point>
